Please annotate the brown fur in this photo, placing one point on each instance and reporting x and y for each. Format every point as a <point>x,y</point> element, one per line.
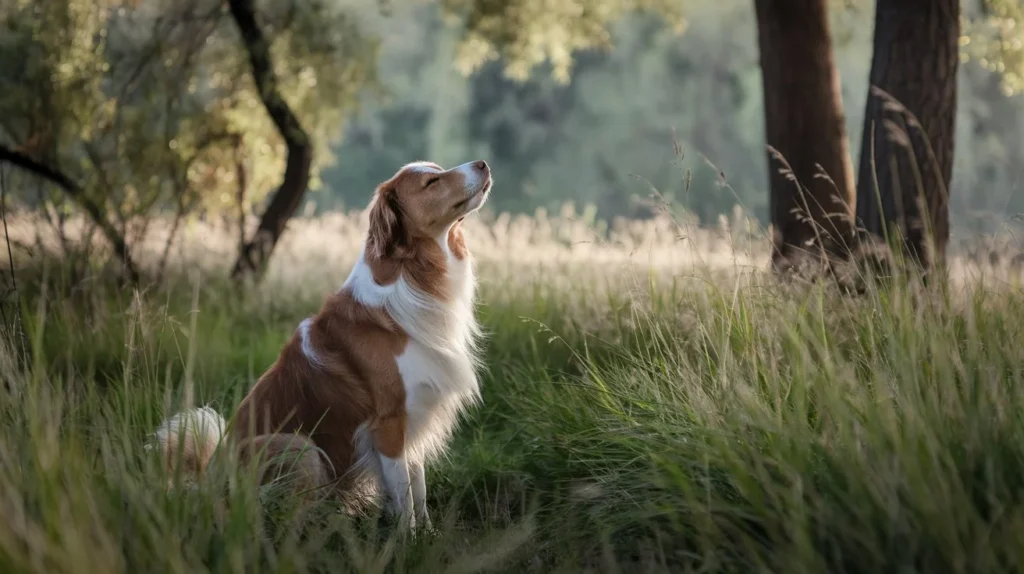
<point>422,263</point>
<point>406,217</point>
<point>457,241</point>
<point>300,418</point>
<point>291,456</point>
<point>357,383</point>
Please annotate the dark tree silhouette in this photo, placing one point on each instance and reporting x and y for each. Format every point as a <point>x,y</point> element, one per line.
<point>810,173</point>
<point>255,254</point>
<point>906,158</point>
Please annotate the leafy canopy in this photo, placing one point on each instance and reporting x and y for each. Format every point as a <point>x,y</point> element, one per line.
<point>528,33</point>
<point>995,38</point>
<point>150,103</point>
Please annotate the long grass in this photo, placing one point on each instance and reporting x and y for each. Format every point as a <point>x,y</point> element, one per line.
<point>635,418</point>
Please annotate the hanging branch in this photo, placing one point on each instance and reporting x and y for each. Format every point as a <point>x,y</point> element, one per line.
<point>78,195</point>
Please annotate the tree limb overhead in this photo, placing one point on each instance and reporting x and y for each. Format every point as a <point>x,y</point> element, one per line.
<point>75,192</point>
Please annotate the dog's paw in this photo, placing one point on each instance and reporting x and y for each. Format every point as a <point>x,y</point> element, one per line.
<point>422,523</point>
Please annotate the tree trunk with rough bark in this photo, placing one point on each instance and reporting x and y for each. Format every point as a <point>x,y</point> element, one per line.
<point>810,169</point>
<point>906,159</point>
<point>255,254</point>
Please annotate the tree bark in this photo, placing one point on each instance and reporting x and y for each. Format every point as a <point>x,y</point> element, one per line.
<point>78,195</point>
<point>811,172</point>
<point>906,158</point>
<point>254,255</point>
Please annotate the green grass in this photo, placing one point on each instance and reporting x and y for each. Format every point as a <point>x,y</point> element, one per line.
<point>684,425</point>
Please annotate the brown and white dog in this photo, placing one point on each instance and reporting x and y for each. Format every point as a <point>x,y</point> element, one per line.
<point>376,380</point>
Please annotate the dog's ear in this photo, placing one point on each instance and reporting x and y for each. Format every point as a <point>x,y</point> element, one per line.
<point>386,229</point>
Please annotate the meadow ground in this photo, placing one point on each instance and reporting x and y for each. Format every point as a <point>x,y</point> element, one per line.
<point>650,404</point>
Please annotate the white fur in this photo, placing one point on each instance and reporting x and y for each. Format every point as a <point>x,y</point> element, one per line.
<point>418,478</point>
<point>395,476</point>
<point>422,167</point>
<point>472,176</point>
<point>438,366</point>
<point>198,430</point>
<point>438,370</point>
<point>447,328</point>
<point>204,423</point>
<point>307,347</point>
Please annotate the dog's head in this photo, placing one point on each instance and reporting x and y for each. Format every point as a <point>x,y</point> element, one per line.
<point>424,201</point>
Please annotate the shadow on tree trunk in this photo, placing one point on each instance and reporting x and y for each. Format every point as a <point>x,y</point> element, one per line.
<point>906,158</point>
<point>810,170</point>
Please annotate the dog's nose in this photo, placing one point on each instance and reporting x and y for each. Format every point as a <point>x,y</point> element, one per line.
<point>481,165</point>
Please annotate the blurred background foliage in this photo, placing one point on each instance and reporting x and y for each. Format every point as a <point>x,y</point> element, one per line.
<point>672,105</point>
<point>149,105</point>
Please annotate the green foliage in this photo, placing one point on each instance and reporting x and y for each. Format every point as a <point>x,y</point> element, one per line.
<point>690,85</point>
<point>57,50</point>
<point>606,138</point>
<point>996,39</point>
<point>151,103</point>
<point>527,33</point>
<point>152,108</point>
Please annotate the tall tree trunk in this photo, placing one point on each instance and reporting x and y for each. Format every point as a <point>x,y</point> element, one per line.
<point>78,195</point>
<point>806,132</point>
<point>254,255</point>
<point>906,158</point>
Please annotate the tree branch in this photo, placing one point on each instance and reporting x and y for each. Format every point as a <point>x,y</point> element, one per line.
<point>253,257</point>
<point>75,192</point>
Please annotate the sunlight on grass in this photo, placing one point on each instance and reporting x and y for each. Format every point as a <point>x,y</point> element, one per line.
<point>650,402</point>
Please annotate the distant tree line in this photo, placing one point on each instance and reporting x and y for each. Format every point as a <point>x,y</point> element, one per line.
<point>126,108</point>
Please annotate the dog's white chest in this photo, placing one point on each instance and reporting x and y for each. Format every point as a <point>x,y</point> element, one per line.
<point>437,389</point>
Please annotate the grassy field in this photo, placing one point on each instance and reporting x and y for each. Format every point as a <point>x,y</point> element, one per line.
<point>653,404</point>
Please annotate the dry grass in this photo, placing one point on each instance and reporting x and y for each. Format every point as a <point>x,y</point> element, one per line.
<point>650,403</point>
<point>321,249</point>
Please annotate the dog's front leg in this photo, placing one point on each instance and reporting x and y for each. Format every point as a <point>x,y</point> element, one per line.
<point>397,483</point>
<point>389,444</point>
<point>418,476</point>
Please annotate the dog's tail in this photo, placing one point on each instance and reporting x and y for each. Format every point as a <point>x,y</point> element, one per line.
<point>188,440</point>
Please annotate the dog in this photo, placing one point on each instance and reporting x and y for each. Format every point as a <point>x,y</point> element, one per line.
<point>369,389</point>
